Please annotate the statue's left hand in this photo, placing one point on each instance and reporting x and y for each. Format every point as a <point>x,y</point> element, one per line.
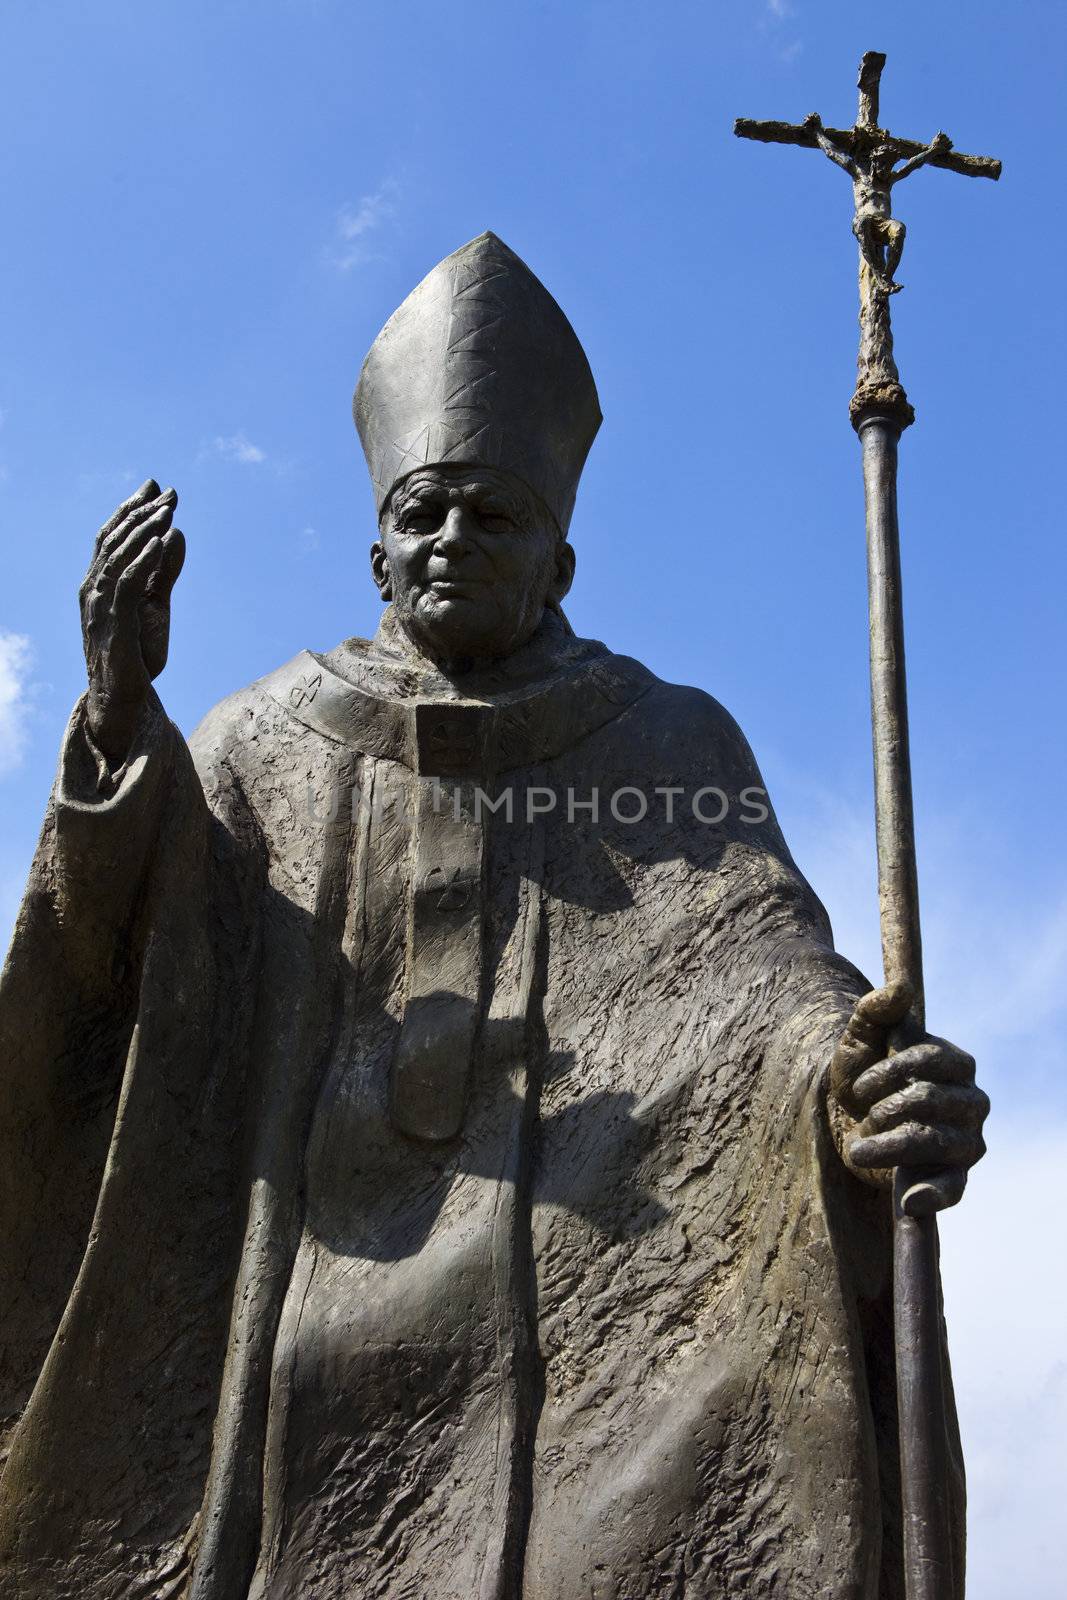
<point>916,1107</point>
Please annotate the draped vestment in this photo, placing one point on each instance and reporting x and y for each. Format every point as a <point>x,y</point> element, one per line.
<point>402,1198</point>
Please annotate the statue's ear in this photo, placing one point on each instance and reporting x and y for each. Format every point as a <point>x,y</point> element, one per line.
<point>564,574</point>
<point>379,566</point>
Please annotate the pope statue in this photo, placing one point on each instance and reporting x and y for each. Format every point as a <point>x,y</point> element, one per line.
<point>443,1157</point>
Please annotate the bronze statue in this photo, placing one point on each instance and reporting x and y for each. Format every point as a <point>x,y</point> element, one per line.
<point>868,153</point>
<point>870,165</point>
<point>443,1152</point>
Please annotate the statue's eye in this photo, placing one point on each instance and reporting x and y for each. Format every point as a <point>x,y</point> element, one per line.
<point>495,519</point>
<point>422,519</point>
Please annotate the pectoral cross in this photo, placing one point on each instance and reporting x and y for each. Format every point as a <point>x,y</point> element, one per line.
<point>880,411</point>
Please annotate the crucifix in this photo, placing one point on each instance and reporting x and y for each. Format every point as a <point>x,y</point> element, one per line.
<point>880,411</point>
<point>870,155</point>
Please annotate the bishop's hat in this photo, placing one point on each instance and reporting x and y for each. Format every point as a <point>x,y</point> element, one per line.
<point>479,367</point>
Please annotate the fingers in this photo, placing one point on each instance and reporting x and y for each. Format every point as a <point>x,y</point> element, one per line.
<point>912,1144</point>
<point>933,1190</point>
<point>932,1061</point>
<point>171,563</point>
<point>918,1107</point>
<point>149,490</point>
<point>880,1009</point>
<point>141,533</point>
<point>114,535</point>
<point>133,582</point>
<point>864,1040</point>
<point>931,1103</point>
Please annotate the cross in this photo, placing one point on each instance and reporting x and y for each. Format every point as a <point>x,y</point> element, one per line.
<point>869,155</point>
<point>880,411</point>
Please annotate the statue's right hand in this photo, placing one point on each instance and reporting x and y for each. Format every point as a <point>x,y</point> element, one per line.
<point>125,612</point>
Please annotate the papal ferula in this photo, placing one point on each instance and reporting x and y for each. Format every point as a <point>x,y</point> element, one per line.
<point>427,1204</point>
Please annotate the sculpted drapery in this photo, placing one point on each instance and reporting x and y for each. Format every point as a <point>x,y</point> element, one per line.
<point>408,1197</point>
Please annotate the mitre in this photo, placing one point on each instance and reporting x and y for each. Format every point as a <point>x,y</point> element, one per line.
<point>479,367</point>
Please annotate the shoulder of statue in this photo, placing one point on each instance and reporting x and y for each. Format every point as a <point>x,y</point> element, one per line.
<point>526,720</point>
<point>692,727</point>
<point>531,722</point>
<point>256,712</point>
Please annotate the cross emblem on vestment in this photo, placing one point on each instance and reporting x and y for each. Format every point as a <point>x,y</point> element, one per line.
<point>453,891</point>
<point>455,746</point>
<point>304,690</point>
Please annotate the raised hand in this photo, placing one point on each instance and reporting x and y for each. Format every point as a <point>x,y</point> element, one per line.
<point>125,612</point>
<point>919,1107</point>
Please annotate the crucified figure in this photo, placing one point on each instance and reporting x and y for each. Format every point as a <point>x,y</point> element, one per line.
<point>880,235</point>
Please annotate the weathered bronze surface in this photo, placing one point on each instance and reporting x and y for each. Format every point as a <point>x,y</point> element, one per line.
<point>933,1533</point>
<point>869,154</point>
<point>443,1154</point>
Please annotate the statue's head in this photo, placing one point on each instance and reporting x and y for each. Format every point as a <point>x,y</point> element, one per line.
<point>470,558</point>
<point>476,408</point>
<point>882,158</point>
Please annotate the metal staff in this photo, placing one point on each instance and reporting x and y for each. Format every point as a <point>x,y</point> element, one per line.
<point>880,411</point>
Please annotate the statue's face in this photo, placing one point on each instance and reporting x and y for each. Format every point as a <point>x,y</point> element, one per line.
<point>469,559</point>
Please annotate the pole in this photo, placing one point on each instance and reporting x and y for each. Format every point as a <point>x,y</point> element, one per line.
<point>898,882</point>
<point>928,1563</point>
<point>880,411</point>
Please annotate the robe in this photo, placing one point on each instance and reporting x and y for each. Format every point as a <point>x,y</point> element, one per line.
<point>411,1192</point>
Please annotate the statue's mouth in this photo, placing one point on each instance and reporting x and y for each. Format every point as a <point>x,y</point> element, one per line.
<point>455,588</point>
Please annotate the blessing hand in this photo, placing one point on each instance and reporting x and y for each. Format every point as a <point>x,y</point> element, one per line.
<point>917,1107</point>
<point>125,610</point>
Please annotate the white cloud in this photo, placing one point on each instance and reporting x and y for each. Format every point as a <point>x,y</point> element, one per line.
<point>776,20</point>
<point>355,223</point>
<point>239,448</point>
<point>16,658</point>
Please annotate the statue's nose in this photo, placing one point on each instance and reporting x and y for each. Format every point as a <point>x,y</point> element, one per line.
<point>455,531</point>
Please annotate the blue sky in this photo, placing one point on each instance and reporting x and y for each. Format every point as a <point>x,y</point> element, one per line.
<point>209,211</point>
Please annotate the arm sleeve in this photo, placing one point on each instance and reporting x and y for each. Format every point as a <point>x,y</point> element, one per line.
<point>105,826</point>
<point>68,1005</point>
